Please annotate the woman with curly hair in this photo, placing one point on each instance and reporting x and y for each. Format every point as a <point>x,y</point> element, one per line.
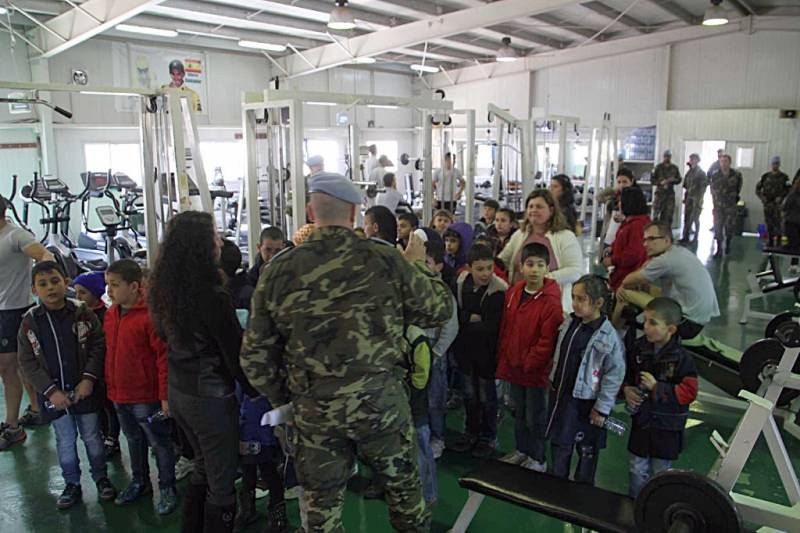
<point>194,313</point>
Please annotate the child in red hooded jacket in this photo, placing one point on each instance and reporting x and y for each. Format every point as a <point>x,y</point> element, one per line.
<point>136,378</point>
<point>528,333</point>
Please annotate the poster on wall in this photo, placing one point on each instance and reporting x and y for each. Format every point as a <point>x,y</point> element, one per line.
<point>153,68</point>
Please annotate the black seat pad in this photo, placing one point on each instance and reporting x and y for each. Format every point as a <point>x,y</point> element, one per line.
<point>576,503</point>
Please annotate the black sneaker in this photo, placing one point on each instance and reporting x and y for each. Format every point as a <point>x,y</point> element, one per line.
<point>110,447</point>
<point>32,418</point>
<point>464,443</point>
<point>133,491</point>
<point>106,492</point>
<point>10,436</point>
<point>70,496</point>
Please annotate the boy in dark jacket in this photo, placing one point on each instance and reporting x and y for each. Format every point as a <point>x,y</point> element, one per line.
<point>480,296</point>
<point>136,376</point>
<point>528,335</point>
<point>61,351</point>
<point>661,383</point>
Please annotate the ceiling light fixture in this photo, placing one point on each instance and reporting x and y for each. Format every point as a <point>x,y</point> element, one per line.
<point>3,10</point>
<point>363,60</point>
<point>423,68</point>
<point>326,104</point>
<point>341,17</point>
<point>206,34</point>
<point>506,54</point>
<point>381,106</point>
<point>715,14</point>
<point>269,47</point>
<point>146,30</point>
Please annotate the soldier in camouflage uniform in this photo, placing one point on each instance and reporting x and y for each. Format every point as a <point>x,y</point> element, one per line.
<point>772,188</point>
<point>694,183</point>
<point>726,186</point>
<point>665,176</point>
<point>327,333</point>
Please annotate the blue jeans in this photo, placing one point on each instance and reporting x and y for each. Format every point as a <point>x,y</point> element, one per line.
<point>427,464</point>
<point>437,397</point>
<point>67,428</point>
<point>530,419</point>
<point>140,433</point>
<point>641,468</point>
<point>481,408</point>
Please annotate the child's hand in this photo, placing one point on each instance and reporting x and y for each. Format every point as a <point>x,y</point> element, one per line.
<point>647,380</point>
<point>415,251</point>
<point>596,418</point>
<point>60,400</point>
<point>83,390</point>
<point>165,407</point>
<point>632,396</point>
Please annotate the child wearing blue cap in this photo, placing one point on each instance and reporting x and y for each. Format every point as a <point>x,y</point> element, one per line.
<point>90,288</point>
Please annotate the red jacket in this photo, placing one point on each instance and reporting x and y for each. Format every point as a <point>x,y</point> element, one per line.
<point>136,358</point>
<point>528,335</point>
<point>628,253</point>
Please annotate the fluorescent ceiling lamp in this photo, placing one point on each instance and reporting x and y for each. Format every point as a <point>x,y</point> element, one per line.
<point>146,30</point>
<point>341,17</point>
<point>363,60</point>
<point>506,54</point>
<point>381,106</point>
<point>423,68</point>
<point>207,34</point>
<point>263,46</point>
<point>3,10</point>
<point>107,93</point>
<point>715,14</point>
<point>328,104</point>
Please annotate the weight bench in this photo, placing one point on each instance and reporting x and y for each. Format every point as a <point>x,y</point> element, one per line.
<point>777,283</point>
<point>716,362</point>
<point>576,503</point>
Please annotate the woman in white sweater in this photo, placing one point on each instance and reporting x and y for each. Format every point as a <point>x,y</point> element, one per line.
<point>544,223</point>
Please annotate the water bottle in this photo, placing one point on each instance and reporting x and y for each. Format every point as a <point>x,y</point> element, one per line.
<point>158,416</point>
<point>615,426</point>
<point>643,394</point>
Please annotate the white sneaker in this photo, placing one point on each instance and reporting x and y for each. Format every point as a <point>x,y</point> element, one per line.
<point>437,447</point>
<point>532,464</point>
<point>292,494</point>
<point>515,458</point>
<point>183,468</point>
<point>261,493</point>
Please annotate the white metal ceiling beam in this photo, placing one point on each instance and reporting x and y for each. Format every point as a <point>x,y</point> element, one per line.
<point>609,12</point>
<point>76,27</point>
<point>413,33</point>
<point>676,10</point>
<point>611,48</point>
<point>567,26</point>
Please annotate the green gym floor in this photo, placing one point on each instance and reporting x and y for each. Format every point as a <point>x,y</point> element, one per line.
<point>30,478</point>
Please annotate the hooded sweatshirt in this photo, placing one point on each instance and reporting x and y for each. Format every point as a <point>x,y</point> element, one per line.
<point>528,334</point>
<point>467,233</point>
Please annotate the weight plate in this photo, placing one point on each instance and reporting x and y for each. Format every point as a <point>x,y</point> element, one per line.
<point>685,496</point>
<point>781,318</point>
<point>757,359</point>
<point>404,159</point>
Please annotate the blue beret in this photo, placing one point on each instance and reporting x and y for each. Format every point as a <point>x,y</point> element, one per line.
<point>335,185</point>
<point>776,160</point>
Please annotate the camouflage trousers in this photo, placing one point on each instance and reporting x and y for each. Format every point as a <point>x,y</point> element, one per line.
<point>692,207</point>
<point>724,222</point>
<point>664,207</point>
<point>377,428</point>
<point>773,218</point>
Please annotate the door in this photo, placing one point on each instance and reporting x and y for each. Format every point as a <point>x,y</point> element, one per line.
<point>752,160</point>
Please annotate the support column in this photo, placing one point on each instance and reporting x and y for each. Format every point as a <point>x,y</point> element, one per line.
<point>251,184</point>
<point>469,168</point>
<point>427,172</point>
<point>298,179</point>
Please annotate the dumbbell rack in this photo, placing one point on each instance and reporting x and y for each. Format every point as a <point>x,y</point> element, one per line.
<point>759,419</point>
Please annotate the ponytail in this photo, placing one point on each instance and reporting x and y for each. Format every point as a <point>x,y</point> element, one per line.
<point>597,287</point>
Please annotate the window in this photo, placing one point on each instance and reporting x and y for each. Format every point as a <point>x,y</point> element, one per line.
<point>330,152</point>
<point>389,149</point>
<point>228,156</point>
<point>485,159</point>
<point>124,158</point>
<point>744,156</point>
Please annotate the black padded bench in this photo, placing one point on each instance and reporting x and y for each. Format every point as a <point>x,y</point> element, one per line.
<point>576,503</point>
<point>776,282</point>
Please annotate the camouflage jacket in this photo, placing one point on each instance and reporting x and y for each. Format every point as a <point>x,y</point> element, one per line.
<point>773,187</point>
<point>665,176</point>
<point>328,317</point>
<point>725,190</point>
<point>695,183</point>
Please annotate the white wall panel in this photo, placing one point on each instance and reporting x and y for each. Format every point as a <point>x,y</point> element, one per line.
<point>509,92</point>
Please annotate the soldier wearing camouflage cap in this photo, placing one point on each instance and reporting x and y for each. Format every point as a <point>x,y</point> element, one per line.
<point>772,188</point>
<point>326,333</point>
